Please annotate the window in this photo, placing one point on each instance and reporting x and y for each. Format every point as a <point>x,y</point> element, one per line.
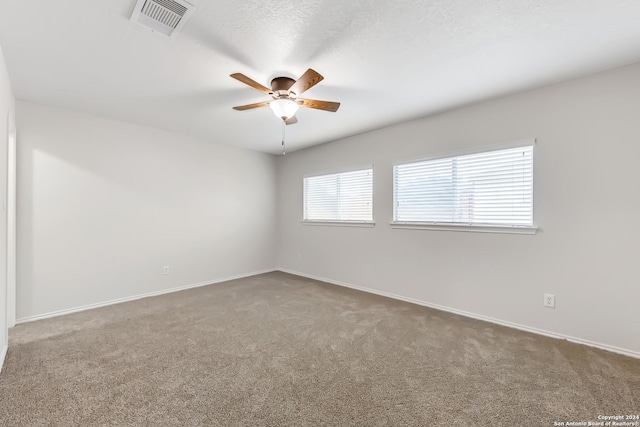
<point>493,188</point>
<point>339,197</point>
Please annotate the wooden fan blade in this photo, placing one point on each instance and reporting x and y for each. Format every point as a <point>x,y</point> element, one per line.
<point>319,105</point>
<point>291,121</point>
<point>250,106</point>
<point>306,81</point>
<point>254,84</point>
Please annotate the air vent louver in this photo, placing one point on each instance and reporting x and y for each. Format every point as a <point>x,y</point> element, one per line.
<point>164,16</point>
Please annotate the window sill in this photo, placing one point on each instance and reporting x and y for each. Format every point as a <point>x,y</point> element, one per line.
<point>341,223</point>
<point>466,227</point>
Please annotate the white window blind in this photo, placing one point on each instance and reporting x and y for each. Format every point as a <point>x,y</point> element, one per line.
<point>490,188</point>
<point>346,196</point>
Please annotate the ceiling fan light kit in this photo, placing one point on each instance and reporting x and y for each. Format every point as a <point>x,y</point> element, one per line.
<point>284,108</point>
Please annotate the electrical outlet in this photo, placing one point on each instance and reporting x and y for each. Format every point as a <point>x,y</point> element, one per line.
<point>165,269</point>
<point>550,300</point>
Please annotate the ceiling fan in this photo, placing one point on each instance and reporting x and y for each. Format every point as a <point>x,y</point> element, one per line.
<point>285,92</point>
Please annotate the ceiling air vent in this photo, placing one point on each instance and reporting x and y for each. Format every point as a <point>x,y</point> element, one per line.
<point>164,16</point>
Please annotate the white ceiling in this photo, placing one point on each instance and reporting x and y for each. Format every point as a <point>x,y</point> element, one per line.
<point>386,61</point>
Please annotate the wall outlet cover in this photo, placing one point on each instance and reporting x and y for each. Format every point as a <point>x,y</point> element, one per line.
<point>550,300</point>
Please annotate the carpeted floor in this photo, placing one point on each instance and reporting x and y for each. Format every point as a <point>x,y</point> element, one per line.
<point>280,350</point>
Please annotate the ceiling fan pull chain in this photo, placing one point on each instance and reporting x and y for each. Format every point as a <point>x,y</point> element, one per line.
<point>283,149</point>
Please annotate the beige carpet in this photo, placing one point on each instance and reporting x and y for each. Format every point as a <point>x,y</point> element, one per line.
<point>280,350</point>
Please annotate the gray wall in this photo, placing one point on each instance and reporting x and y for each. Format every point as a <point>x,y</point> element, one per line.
<point>586,204</point>
<point>104,205</point>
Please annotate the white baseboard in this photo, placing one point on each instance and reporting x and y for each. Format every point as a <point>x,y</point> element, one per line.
<point>135,297</point>
<point>3,354</point>
<point>601,346</point>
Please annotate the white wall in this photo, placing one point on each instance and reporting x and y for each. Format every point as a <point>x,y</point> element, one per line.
<point>587,201</point>
<point>104,205</point>
<point>7,105</point>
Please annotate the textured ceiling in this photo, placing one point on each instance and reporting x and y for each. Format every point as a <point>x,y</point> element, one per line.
<point>385,61</point>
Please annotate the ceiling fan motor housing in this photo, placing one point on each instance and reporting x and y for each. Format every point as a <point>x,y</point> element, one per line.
<point>281,84</point>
